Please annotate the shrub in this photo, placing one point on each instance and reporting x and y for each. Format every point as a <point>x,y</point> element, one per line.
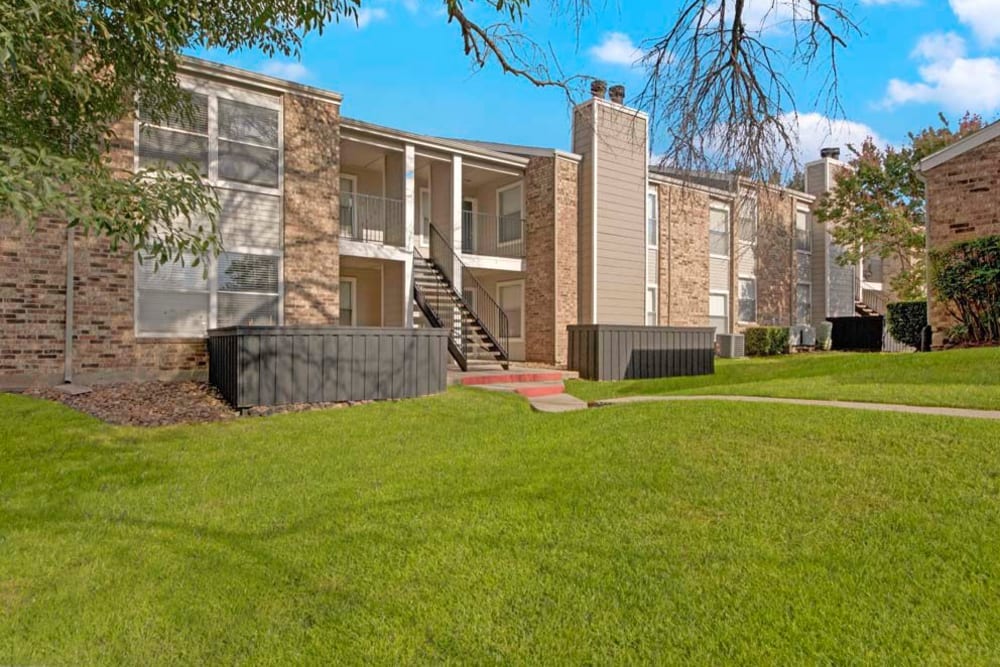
<point>966,278</point>
<point>766,341</point>
<point>906,320</point>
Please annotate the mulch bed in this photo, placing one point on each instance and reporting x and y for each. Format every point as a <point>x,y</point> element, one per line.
<point>146,403</point>
<point>162,403</point>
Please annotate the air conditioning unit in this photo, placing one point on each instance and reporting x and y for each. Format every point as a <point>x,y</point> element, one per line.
<point>808,337</point>
<point>731,346</point>
<point>795,335</point>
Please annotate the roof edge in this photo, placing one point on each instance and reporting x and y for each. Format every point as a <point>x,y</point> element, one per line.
<point>973,141</point>
<point>228,73</point>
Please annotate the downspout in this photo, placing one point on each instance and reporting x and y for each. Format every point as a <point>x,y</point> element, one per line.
<point>68,335</point>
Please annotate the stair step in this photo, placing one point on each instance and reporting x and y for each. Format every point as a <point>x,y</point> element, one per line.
<point>513,377</point>
<point>535,390</point>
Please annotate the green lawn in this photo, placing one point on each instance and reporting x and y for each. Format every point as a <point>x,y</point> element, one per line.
<point>956,379</point>
<point>465,528</point>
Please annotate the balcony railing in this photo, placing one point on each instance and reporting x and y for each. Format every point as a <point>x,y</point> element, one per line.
<point>492,235</point>
<point>372,219</point>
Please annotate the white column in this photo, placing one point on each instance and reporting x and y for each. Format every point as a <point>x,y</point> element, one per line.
<point>456,218</point>
<point>409,218</point>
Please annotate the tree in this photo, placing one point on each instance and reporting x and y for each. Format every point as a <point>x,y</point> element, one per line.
<point>71,69</point>
<point>877,206</point>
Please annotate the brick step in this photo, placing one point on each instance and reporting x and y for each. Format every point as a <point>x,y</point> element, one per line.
<point>536,390</point>
<point>512,378</point>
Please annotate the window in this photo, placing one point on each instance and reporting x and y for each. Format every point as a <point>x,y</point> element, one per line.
<point>248,143</point>
<point>718,312</point>
<point>747,226</point>
<point>424,228</point>
<point>247,289</point>
<point>803,240</point>
<point>235,144</point>
<point>510,296</point>
<point>651,307</point>
<point>747,300</point>
<point>509,214</point>
<point>652,219</point>
<point>172,300</point>
<point>803,304</point>
<point>348,295</point>
<point>177,139</point>
<point>718,231</point>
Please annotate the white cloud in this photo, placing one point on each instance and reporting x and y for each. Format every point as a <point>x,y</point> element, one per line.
<point>286,70</point>
<point>948,78</point>
<point>816,131</point>
<point>982,17</point>
<point>369,15</point>
<point>938,46</point>
<point>616,48</point>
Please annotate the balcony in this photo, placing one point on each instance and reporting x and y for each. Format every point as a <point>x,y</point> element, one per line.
<point>372,219</point>
<point>492,235</point>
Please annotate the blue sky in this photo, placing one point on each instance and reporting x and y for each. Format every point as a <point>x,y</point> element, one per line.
<point>403,66</point>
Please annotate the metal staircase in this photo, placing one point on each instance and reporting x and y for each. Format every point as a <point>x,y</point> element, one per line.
<point>479,325</point>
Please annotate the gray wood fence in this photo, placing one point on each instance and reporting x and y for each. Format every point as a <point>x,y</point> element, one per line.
<point>261,366</point>
<point>612,352</point>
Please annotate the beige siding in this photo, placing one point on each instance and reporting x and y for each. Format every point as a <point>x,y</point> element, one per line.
<point>369,293</point>
<point>621,215</point>
<point>583,144</point>
<point>393,291</point>
<point>441,198</point>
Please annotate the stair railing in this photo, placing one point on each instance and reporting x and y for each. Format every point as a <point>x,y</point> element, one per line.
<point>488,313</point>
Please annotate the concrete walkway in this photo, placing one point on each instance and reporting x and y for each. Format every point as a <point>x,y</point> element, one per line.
<point>851,405</point>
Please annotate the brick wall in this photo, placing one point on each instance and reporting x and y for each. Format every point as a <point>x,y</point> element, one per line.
<point>775,249</point>
<point>683,265</point>
<point>312,211</point>
<point>551,257</point>
<point>963,202</point>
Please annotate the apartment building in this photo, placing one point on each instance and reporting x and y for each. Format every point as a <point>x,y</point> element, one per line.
<point>332,220</point>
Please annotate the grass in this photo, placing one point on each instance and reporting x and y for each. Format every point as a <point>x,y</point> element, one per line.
<point>465,528</point>
<point>956,379</point>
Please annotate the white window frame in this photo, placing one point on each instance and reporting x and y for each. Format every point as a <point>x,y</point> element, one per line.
<point>729,304</point>
<point>751,200</point>
<point>655,301</point>
<point>752,279</point>
<point>215,90</point>
<point>721,206</point>
<point>519,239</point>
<point>807,235</point>
<point>353,282</point>
<point>513,283</point>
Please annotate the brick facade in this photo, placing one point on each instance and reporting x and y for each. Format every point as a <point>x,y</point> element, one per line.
<point>683,265</point>
<point>105,347</point>
<point>312,211</point>
<point>775,258</point>
<point>551,257</point>
<point>963,202</point>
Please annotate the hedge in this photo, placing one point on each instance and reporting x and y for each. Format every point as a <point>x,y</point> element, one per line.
<point>906,321</point>
<point>766,341</point>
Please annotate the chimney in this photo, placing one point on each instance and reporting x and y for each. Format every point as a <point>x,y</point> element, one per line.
<point>618,94</point>
<point>598,87</point>
<point>831,153</point>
